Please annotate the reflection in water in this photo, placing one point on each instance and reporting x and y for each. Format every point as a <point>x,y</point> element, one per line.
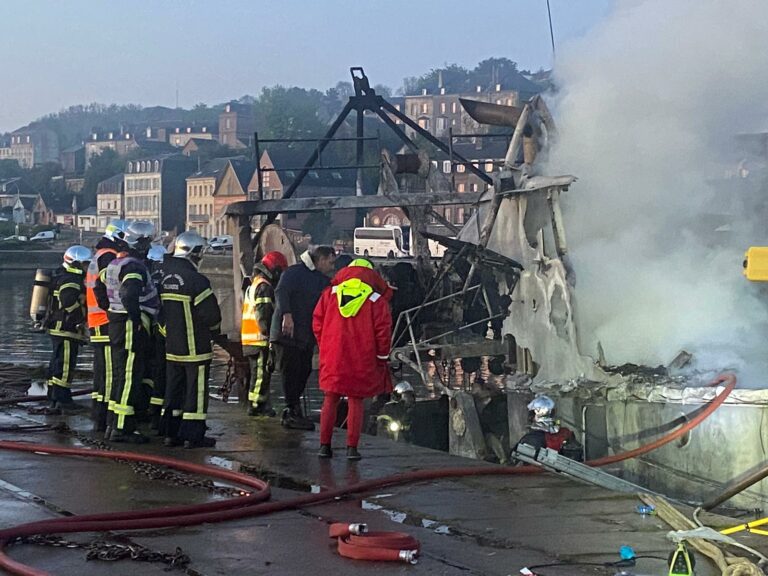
<point>18,342</point>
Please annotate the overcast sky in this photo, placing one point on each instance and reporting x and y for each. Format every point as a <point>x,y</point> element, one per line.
<point>56,53</point>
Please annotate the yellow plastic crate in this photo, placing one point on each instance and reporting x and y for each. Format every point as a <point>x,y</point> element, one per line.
<point>756,264</point>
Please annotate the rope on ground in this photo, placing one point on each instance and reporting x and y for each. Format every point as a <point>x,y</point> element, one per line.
<point>728,565</point>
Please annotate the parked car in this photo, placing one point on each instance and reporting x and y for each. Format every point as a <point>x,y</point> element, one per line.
<point>44,236</point>
<point>220,243</point>
<point>16,238</point>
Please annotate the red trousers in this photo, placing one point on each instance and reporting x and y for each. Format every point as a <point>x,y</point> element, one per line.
<point>328,418</point>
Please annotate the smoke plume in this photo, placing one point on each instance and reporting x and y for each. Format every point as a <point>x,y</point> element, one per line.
<point>648,105</point>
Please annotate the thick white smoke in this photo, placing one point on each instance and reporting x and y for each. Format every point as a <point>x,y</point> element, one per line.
<point>647,107</point>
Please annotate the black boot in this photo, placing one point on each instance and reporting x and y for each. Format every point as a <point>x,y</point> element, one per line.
<point>325,451</point>
<point>352,453</point>
<point>294,419</point>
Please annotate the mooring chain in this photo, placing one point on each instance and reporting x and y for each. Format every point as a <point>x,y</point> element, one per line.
<point>111,552</point>
<point>226,388</point>
<point>152,471</point>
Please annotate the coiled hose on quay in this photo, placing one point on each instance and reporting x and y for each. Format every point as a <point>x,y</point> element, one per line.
<point>253,504</point>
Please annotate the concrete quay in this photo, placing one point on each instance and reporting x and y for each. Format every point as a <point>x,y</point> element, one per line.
<point>471,526</point>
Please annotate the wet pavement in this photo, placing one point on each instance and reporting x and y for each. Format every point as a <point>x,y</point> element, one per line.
<point>478,525</point>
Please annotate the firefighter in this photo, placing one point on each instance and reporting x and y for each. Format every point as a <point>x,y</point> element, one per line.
<point>258,307</point>
<point>98,323</point>
<point>133,306</point>
<point>156,364</point>
<point>192,320</point>
<point>66,324</point>
<point>353,327</point>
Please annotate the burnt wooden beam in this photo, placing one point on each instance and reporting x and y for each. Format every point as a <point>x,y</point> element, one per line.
<point>293,205</point>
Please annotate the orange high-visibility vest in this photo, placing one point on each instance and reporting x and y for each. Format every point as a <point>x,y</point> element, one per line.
<point>96,315</point>
<point>250,333</point>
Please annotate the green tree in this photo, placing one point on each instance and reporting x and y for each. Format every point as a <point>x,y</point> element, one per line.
<point>289,113</point>
<point>101,167</point>
<point>319,225</point>
<point>10,169</point>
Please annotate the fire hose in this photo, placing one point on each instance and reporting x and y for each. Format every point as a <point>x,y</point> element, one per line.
<point>253,504</point>
<point>25,399</point>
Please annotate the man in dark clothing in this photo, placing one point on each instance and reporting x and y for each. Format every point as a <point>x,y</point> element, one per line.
<point>192,320</point>
<point>296,295</point>
<point>156,357</point>
<point>65,323</point>
<point>133,306</point>
<point>98,323</point>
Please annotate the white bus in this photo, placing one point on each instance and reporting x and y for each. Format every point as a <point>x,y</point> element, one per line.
<point>386,242</point>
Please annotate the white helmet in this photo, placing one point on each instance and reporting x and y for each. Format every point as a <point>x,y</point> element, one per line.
<point>156,253</point>
<point>77,255</point>
<point>139,232</point>
<point>542,406</point>
<point>115,230</point>
<point>189,245</point>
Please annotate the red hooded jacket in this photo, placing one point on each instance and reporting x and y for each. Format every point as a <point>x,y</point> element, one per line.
<point>354,350</point>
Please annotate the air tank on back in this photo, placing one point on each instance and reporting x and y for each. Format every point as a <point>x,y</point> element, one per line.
<point>38,306</point>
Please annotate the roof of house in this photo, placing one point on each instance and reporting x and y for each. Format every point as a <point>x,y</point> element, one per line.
<point>244,170</point>
<point>482,148</point>
<point>211,169</point>
<point>203,143</point>
<point>317,179</point>
<point>113,185</point>
<point>60,203</point>
<point>75,148</point>
<point>90,211</point>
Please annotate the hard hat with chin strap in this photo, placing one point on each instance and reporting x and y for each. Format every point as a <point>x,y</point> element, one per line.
<point>77,255</point>
<point>362,263</point>
<point>189,245</point>
<point>156,253</point>
<point>115,230</point>
<point>139,232</point>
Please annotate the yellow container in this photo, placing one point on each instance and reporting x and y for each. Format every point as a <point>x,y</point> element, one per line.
<point>756,264</point>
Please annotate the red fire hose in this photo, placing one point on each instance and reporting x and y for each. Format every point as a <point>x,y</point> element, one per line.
<point>354,541</point>
<point>252,504</point>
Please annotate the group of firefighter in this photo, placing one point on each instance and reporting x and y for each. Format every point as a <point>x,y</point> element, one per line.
<point>152,319</point>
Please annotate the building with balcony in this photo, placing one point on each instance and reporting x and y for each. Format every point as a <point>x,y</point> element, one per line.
<point>110,200</point>
<point>199,200</point>
<point>155,190</point>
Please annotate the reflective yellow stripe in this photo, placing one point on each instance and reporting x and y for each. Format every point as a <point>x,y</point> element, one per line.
<point>161,329</point>
<point>123,409</point>
<point>156,401</point>
<point>65,334</point>
<point>133,276</point>
<point>203,295</point>
<point>199,414</point>
<point>189,358</point>
<point>67,359</point>
<point>176,297</point>
<point>72,308</point>
<point>263,300</point>
<point>108,364</point>
<point>69,285</point>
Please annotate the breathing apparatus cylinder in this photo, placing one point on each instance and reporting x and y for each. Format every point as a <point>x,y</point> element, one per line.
<point>38,306</point>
